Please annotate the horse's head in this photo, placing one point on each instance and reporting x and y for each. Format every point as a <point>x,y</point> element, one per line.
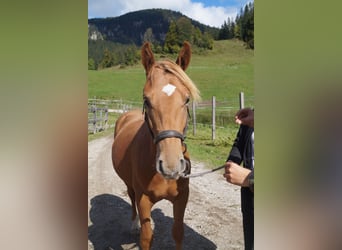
<point>166,95</point>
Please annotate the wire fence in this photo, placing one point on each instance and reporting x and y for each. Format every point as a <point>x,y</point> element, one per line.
<point>102,114</point>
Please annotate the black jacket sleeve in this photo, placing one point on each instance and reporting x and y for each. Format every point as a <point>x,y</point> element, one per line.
<point>237,152</point>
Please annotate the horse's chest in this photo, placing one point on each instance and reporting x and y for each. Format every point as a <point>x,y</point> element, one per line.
<point>163,190</point>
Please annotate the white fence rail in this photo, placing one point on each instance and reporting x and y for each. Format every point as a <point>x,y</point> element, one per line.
<point>99,110</point>
<point>212,113</point>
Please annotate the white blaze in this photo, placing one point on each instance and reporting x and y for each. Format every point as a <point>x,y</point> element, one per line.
<point>169,89</point>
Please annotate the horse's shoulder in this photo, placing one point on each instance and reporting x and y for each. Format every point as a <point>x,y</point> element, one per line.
<point>128,119</point>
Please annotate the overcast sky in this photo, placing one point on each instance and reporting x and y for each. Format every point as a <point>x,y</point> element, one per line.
<point>209,12</point>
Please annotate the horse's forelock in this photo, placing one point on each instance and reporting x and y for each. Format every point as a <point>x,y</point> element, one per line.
<point>174,69</point>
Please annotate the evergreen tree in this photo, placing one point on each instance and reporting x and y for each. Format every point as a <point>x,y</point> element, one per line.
<point>207,41</point>
<point>227,30</point>
<point>107,60</point>
<point>171,40</point>
<point>224,31</point>
<point>247,25</point>
<point>244,20</point>
<point>130,55</point>
<point>237,30</point>
<point>184,30</point>
<point>232,29</point>
<point>197,36</point>
<point>91,64</point>
<point>242,28</point>
<point>250,27</point>
<point>148,36</point>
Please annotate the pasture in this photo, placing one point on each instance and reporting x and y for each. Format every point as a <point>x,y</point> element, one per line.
<point>223,72</point>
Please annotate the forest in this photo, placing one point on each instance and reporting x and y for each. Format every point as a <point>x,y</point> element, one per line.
<point>116,41</point>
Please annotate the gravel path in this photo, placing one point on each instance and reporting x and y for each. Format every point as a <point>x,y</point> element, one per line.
<point>212,217</point>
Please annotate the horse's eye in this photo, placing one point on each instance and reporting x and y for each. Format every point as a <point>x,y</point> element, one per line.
<point>147,102</point>
<point>187,100</point>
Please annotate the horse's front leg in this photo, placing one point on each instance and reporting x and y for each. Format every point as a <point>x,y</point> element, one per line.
<point>144,211</point>
<point>178,214</point>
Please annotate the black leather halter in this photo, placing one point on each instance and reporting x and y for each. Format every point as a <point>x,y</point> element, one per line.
<point>167,133</point>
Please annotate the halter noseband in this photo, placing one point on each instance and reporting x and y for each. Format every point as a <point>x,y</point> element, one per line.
<point>168,134</point>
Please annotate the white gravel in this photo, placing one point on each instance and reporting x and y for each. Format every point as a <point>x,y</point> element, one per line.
<point>212,217</point>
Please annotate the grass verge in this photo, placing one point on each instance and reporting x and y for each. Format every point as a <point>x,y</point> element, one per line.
<point>202,148</point>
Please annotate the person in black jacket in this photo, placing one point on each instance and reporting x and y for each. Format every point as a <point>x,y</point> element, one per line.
<point>243,152</point>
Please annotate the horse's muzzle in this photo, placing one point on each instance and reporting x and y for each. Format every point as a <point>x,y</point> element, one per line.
<point>172,173</point>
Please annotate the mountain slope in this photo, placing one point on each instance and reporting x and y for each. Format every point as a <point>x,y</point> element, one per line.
<point>131,27</point>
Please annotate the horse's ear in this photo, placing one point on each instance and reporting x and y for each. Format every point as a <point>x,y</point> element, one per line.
<point>183,59</point>
<point>147,57</point>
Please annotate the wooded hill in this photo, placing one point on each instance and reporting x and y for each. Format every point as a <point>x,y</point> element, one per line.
<point>131,27</point>
<point>116,40</point>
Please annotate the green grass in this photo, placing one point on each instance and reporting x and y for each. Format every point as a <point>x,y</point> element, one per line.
<point>98,135</point>
<point>112,117</point>
<point>223,72</point>
<point>211,152</point>
<point>201,147</point>
<point>115,83</point>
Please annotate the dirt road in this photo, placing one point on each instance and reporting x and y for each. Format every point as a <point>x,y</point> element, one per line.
<point>212,217</point>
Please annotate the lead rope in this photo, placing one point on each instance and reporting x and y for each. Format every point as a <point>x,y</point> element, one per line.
<point>203,173</point>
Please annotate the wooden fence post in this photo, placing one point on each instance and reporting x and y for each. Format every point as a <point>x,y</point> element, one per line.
<point>106,118</point>
<point>94,121</point>
<point>101,125</point>
<point>242,100</point>
<point>194,118</point>
<point>213,118</point>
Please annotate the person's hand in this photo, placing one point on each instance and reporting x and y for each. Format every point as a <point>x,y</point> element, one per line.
<point>245,116</point>
<point>236,174</point>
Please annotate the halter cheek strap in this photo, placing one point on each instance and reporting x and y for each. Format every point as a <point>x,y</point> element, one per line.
<point>166,133</point>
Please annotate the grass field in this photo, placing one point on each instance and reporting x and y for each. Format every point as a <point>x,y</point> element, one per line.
<point>223,72</point>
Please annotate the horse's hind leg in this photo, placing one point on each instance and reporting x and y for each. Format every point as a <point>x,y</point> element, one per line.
<point>135,219</point>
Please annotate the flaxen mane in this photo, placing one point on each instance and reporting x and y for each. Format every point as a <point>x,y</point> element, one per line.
<point>173,68</point>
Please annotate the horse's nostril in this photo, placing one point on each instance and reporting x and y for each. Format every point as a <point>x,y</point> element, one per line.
<point>161,166</point>
<point>183,165</point>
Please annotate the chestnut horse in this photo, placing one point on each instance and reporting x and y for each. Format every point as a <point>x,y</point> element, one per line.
<point>148,152</point>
